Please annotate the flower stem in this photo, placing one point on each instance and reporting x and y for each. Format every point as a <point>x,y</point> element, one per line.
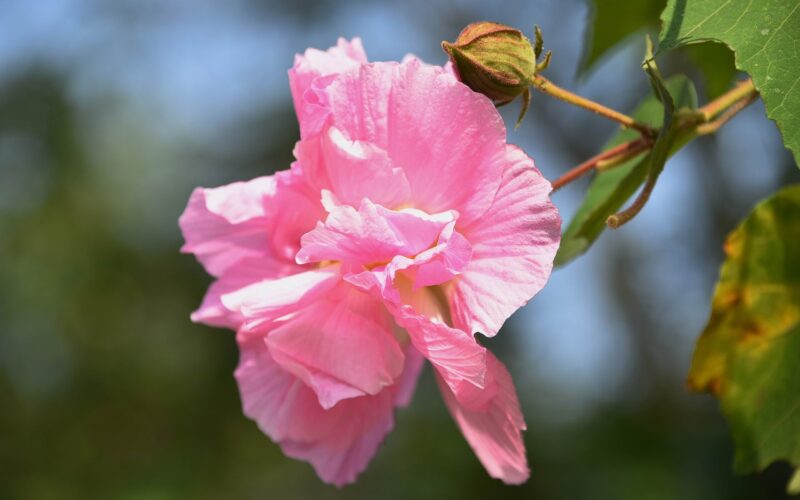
<point>742,91</point>
<point>705,120</point>
<point>624,151</point>
<point>544,85</point>
<point>715,124</point>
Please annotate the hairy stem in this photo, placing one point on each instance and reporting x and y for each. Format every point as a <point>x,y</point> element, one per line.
<point>714,125</point>
<point>622,152</point>
<point>544,85</point>
<point>742,91</point>
<point>705,120</point>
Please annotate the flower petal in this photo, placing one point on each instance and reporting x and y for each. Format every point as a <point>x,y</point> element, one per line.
<point>371,234</point>
<point>491,421</point>
<point>312,73</point>
<point>513,246</point>
<point>342,346</point>
<point>439,264</point>
<point>263,302</point>
<point>445,137</point>
<point>338,442</point>
<point>226,224</point>
<point>242,274</point>
<point>291,212</point>
<point>359,170</point>
<point>262,218</point>
<point>456,355</point>
<point>343,455</point>
<point>212,312</point>
<point>407,383</point>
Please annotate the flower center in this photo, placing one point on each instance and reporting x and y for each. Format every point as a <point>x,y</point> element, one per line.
<point>374,240</point>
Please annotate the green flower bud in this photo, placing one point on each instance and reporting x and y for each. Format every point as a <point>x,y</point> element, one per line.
<point>496,60</point>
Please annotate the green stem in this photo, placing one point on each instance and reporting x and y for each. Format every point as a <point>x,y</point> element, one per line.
<point>616,155</point>
<point>714,125</point>
<point>743,90</point>
<point>702,121</point>
<point>544,85</point>
<point>616,220</point>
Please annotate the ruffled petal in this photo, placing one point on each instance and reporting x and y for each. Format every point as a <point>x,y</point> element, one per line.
<point>262,218</point>
<point>313,71</point>
<point>444,136</point>
<point>456,355</point>
<point>491,421</point>
<point>291,212</point>
<point>212,312</point>
<point>359,170</point>
<point>513,246</point>
<point>438,264</point>
<point>263,302</point>
<point>244,273</point>
<point>224,225</point>
<point>372,234</point>
<point>338,442</point>
<point>342,456</point>
<point>342,346</point>
<point>424,314</point>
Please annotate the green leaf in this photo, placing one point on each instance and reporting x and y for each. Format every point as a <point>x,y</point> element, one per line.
<point>749,353</point>
<point>764,34</point>
<point>716,65</point>
<point>615,20</point>
<point>610,189</point>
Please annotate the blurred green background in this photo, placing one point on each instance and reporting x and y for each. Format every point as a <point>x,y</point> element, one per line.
<point>111,112</point>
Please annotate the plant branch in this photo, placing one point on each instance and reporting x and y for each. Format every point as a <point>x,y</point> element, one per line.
<point>703,121</point>
<point>743,90</point>
<point>623,151</point>
<point>616,220</point>
<point>722,119</point>
<point>544,85</point>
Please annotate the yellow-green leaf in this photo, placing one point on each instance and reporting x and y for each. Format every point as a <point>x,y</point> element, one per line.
<point>749,353</point>
<point>793,487</point>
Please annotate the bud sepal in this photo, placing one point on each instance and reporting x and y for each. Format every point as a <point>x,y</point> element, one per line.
<point>496,60</point>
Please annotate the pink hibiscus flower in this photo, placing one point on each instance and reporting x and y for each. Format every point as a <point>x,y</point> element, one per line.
<point>406,225</point>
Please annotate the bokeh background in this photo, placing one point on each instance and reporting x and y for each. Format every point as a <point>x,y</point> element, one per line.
<point>112,111</point>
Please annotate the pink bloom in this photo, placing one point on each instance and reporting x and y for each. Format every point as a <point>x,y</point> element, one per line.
<point>406,225</point>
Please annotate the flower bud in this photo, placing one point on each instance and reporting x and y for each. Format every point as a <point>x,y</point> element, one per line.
<point>493,59</point>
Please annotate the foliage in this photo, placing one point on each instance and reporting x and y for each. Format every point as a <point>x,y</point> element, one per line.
<point>614,21</point>
<point>764,35</point>
<point>610,189</point>
<point>715,62</point>
<point>748,353</point>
